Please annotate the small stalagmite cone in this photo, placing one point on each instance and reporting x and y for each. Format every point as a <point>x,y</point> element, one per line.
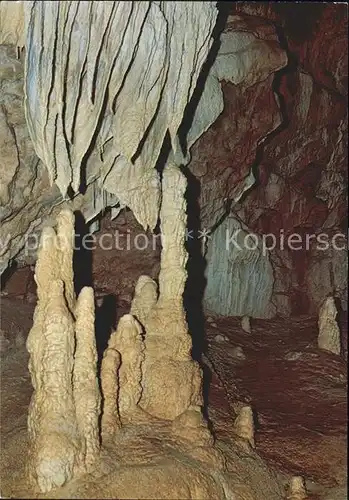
<point>297,489</point>
<point>246,324</point>
<point>110,389</point>
<point>244,425</point>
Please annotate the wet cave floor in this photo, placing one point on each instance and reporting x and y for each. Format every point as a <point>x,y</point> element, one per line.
<point>298,393</point>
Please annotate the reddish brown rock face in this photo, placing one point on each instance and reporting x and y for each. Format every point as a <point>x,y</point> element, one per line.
<point>222,158</point>
<point>291,131</point>
<point>316,35</point>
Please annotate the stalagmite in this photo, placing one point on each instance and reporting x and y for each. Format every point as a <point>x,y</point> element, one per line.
<point>144,299</point>
<point>174,256</point>
<point>64,409</point>
<point>65,241</point>
<point>297,489</point>
<point>46,270</point>
<point>192,427</point>
<point>246,324</point>
<point>128,342</point>
<point>53,434</point>
<point>86,390</point>
<point>169,372</point>
<point>244,425</point>
<point>110,390</point>
<point>329,334</point>
<point>47,266</point>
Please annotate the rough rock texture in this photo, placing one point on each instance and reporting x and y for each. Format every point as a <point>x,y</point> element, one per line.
<point>298,393</point>
<point>136,104</point>
<point>28,202</point>
<point>168,343</point>
<point>329,333</point>
<point>174,456</point>
<point>239,273</point>
<point>106,142</point>
<point>87,396</point>
<point>128,342</point>
<point>223,157</point>
<point>297,490</point>
<point>110,390</point>
<point>290,131</point>
<point>321,53</point>
<point>244,425</point>
<point>300,403</point>
<point>64,409</point>
<point>54,448</point>
<point>287,130</point>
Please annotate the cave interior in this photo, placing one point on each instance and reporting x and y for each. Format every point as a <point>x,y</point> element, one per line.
<point>173,250</point>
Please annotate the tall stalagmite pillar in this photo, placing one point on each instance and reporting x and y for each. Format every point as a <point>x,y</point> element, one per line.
<point>64,409</point>
<point>171,379</point>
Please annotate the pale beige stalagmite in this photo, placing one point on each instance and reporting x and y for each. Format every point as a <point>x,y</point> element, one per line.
<point>64,409</point>
<point>246,324</point>
<point>329,334</point>
<point>110,389</point>
<point>174,256</point>
<point>53,434</point>
<point>145,298</point>
<point>191,426</point>
<point>297,489</point>
<point>46,270</point>
<point>244,425</point>
<point>171,379</point>
<point>129,343</point>
<point>65,240</point>
<point>85,383</point>
<point>47,265</point>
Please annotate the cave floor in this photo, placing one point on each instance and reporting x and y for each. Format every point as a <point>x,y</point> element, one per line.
<point>298,392</point>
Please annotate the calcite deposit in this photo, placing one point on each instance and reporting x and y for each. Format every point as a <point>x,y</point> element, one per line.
<point>244,425</point>
<point>128,342</point>
<point>65,406</point>
<point>329,333</point>
<point>151,412</point>
<point>87,397</point>
<point>221,128</point>
<point>297,490</point>
<point>167,342</point>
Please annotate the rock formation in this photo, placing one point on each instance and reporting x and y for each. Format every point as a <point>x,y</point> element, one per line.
<point>300,148</point>
<point>110,390</point>
<point>53,433</point>
<point>87,397</point>
<point>297,490</point>
<point>151,388</point>
<point>167,341</point>
<point>246,324</point>
<point>329,337</point>
<point>128,342</point>
<point>119,99</point>
<point>244,425</point>
<point>64,409</point>
<point>246,73</point>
